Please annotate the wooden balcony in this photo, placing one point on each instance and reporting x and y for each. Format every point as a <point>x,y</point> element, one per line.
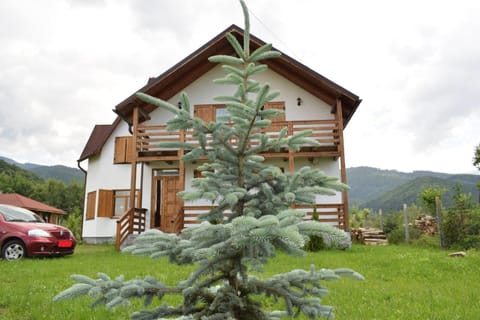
<point>325,132</point>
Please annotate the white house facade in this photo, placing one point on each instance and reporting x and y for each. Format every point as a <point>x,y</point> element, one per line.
<point>131,183</point>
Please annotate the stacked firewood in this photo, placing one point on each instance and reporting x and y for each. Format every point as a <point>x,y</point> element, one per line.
<point>426,224</point>
<point>371,236</point>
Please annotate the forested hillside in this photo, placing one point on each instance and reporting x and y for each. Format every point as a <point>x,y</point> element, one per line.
<point>57,172</point>
<point>50,191</point>
<point>389,189</point>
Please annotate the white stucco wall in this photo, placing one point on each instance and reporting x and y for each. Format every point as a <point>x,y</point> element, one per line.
<point>103,174</point>
<point>203,91</point>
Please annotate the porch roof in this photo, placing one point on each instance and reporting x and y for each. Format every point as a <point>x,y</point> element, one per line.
<point>15,199</point>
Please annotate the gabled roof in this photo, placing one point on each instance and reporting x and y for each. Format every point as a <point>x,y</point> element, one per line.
<point>97,139</point>
<point>196,64</point>
<point>18,200</point>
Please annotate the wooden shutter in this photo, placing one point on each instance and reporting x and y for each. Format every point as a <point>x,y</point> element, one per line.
<point>91,199</point>
<point>123,150</point>
<point>105,203</point>
<point>281,118</point>
<point>276,105</point>
<point>205,112</point>
<point>129,149</point>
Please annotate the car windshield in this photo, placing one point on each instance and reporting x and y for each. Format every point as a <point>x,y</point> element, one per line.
<point>15,214</point>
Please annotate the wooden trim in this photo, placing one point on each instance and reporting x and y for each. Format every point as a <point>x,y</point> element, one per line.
<point>291,153</point>
<point>133,176</point>
<point>343,170</point>
<point>181,184</point>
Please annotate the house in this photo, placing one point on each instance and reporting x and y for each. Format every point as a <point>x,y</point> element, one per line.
<point>48,213</point>
<point>131,184</point>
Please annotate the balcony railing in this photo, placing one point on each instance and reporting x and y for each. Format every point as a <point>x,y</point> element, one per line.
<point>324,132</point>
<point>332,213</point>
<point>134,220</point>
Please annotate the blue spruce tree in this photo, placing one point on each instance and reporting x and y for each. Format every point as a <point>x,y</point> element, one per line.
<point>251,220</point>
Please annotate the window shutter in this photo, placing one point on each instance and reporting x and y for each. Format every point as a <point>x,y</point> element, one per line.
<point>91,199</point>
<point>124,149</point>
<point>281,118</point>
<point>205,112</point>
<point>105,203</point>
<point>129,149</point>
<point>276,105</point>
<point>120,150</point>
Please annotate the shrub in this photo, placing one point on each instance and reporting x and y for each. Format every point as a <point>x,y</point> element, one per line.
<point>461,225</point>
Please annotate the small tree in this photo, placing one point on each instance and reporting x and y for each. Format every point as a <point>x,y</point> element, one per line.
<point>476,157</point>
<point>476,163</point>
<point>259,196</point>
<point>427,198</point>
<point>358,217</point>
<point>462,222</point>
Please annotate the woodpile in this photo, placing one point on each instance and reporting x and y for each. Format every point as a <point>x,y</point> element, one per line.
<point>370,236</point>
<point>427,225</point>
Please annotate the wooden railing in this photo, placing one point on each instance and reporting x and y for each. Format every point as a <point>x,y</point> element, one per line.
<point>332,213</point>
<point>325,132</point>
<point>132,221</point>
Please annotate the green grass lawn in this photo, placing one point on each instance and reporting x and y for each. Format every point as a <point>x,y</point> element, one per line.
<point>401,282</point>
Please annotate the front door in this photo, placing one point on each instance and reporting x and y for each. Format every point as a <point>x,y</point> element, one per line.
<point>166,205</point>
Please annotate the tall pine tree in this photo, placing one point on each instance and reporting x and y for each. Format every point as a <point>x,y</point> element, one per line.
<point>252,218</point>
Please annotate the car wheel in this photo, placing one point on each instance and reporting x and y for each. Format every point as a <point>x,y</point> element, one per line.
<point>14,250</point>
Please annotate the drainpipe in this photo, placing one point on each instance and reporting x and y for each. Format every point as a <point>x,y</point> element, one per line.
<point>130,124</point>
<point>84,188</point>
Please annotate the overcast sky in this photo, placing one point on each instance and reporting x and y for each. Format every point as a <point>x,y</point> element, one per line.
<point>64,64</point>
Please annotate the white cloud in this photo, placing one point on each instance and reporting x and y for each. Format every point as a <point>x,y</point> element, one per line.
<point>65,64</point>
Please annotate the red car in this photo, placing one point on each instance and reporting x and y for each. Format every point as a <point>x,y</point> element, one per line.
<point>25,234</point>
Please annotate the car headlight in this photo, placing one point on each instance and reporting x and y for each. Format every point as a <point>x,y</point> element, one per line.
<point>38,233</point>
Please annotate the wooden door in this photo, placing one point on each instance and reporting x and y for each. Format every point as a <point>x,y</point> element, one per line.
<point>166,205</point>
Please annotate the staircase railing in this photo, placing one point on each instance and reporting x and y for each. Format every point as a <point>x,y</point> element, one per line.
<point>132,221</point>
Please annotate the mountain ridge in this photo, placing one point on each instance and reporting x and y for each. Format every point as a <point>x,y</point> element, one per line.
<point>370,187</point>
<point>58,172</point>
<point>376,189</point>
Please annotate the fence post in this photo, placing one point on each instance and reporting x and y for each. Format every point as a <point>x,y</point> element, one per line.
<point>407,232</point>
<point>438,208</point>
<point>380,214</point>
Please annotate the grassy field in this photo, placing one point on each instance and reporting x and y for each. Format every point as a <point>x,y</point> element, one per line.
<point>401,283</point>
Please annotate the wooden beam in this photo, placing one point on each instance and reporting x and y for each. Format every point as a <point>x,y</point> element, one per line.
<point>133,176</point>
<point>181,173</point>
<point>144,114</point>
<point>291,153</point>
<point>343,170</point>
